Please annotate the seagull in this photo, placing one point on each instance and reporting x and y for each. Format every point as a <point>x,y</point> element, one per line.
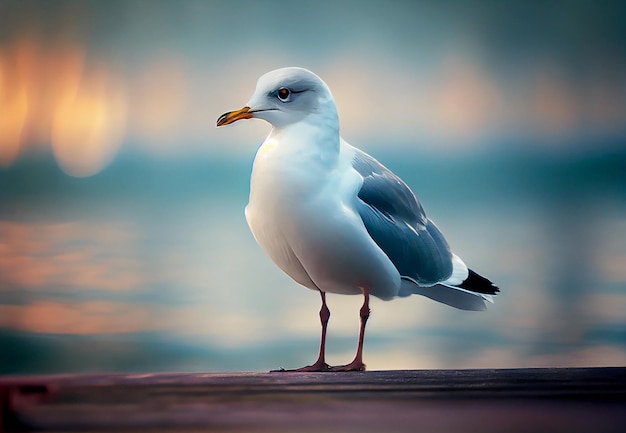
<point>335,219</point>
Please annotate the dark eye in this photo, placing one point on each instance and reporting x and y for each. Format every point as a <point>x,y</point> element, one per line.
<point>283,94</point>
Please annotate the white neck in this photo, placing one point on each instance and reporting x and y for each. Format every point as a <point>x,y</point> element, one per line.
<point>315,137</point>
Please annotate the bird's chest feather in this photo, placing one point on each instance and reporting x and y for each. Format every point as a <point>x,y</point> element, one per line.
<point>283,187</point>
<point>284,178</point>
<point>294,195</point>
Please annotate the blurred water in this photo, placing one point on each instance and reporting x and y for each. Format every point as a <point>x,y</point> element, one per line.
<point>149,265</point>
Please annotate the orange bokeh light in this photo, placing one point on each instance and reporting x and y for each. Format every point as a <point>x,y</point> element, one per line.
<point>50,94</point>
<point>12,121</point>
<point>87,126</point>
<point>14,108</point>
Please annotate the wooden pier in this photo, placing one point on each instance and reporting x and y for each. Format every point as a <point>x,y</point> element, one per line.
<point>429,401</point>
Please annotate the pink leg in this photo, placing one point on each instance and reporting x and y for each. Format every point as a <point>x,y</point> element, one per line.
<point>320,364</point>
<point>357,363</point>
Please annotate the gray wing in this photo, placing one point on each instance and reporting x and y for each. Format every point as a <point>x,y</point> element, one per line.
<point>396,221</point>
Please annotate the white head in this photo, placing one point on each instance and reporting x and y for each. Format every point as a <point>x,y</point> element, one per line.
<point>285,96</point>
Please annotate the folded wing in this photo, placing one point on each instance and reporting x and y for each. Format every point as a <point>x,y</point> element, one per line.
<point>396,221</point>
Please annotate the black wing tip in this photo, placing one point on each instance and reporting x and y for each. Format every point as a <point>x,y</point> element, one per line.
<point>479,284</point>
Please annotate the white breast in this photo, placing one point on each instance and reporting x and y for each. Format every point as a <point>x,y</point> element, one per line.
<point>281,181</point>
<point>301,212</point>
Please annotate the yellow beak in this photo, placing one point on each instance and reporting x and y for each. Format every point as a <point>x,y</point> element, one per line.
<point>233,116</point>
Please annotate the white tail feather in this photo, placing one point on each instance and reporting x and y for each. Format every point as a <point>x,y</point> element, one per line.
<point>460,272</point>
<point>449,295</point>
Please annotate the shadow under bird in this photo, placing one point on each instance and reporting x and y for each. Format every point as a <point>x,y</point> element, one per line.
<point>335,219</point>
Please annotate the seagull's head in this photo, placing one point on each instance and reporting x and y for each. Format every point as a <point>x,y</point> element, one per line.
<point>283,97</point>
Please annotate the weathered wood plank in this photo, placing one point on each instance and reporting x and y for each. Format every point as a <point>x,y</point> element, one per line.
<point>572,400</point>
